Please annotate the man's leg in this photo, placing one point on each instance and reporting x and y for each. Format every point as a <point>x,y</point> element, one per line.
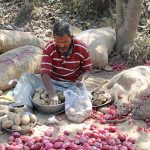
<point>25,89</point>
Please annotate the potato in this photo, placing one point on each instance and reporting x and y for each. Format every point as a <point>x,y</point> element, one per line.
<point>80,113</point>
<point>42,102</point>
<point>33,118</point>
<point>15,127</point>
<point>25,119</point>
<point>43,96</point>
<point>3,118</point>
<point>17,120</point>
<point>19,110</point>
<point>11,116</point>
<point>46,100</point>
<point>20,114</point>
<point>30,124</point>
<point>40,90</point>
<point>61,98</point>
<point>36,96</point>
<point>77,105</point>
<point>3,112</point>
<point>71,111</point>
<point>37,101</point>
<point>4,107</point>
<point>25,127</point>
<point>7,124</point>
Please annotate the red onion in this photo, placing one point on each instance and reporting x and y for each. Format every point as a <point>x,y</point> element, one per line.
<point>16,134</point>
<point>2,147</point>
<point>11,138</point>
<point>48,146</point>
<point>58,145</point>
<point>66,145</point>
<point>18,141</point>
<point>48,133</point>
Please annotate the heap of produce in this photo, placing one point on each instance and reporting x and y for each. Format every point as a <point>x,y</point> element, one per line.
<point>89,139</point>
<point>100,99</point>
<point>41,96</point>
<point>18,121</point>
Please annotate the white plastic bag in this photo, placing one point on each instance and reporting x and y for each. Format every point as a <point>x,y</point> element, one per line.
<point>78,106</point>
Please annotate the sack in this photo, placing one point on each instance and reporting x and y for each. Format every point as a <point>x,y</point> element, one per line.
<point>78,106</point>
<point>132,86</point>
<point>13,39</point>
<point>100,43</point>
<point>18,61</point>
<point>141,108</point>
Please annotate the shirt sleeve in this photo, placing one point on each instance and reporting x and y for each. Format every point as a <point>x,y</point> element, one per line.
<point>46,63</point>
<point>86,62</point>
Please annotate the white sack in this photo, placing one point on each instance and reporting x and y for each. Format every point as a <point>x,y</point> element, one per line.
<point>18,61</point>
<point>130,86</point>
<point>100,43</point>
<point>13,39</point>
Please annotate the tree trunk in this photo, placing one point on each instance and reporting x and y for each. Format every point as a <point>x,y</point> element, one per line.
<point>120,14</point>
<point>126,33</point>
<point>25,13</point>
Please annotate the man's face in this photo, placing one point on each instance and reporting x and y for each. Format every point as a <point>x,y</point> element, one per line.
<point>63,42</point>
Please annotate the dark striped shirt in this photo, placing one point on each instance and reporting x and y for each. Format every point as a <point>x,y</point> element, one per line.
<point>65,68</point>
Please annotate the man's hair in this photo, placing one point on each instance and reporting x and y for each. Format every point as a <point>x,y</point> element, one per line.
<point>61,28</point>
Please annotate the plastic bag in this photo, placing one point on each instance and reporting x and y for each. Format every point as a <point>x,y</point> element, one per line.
<point>78,106</point>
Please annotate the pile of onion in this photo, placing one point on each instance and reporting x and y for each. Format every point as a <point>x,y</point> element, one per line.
<point>111,114</point>
<point>87,139</point>
<point>119,66</point>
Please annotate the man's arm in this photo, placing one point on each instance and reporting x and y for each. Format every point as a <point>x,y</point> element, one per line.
<point>53,99</point>
<point>46,68</point>
<point>86,74</point>
<point>48,84</point>
<point>86,66</point>
<point>82,78</point>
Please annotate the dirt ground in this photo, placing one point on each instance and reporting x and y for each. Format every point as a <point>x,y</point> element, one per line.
<point>129,127</point>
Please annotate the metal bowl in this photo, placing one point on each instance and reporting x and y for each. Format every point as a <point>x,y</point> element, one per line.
<point>54,109</point>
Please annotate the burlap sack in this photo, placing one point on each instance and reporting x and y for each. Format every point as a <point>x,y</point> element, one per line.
<point>18,61</point>
<point>130,86</point>
<point>100,43</point>
<point>13,39</point>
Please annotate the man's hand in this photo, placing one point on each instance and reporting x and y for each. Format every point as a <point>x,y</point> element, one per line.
<point>53,100</point>
<point>79,82</point>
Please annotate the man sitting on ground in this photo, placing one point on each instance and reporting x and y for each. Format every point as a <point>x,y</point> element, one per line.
<point>66,64</point>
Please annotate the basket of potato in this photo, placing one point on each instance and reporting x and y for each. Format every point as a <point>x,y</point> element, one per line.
<point>99,100</point>
<point>40,101</point>
<point>22,123</point>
